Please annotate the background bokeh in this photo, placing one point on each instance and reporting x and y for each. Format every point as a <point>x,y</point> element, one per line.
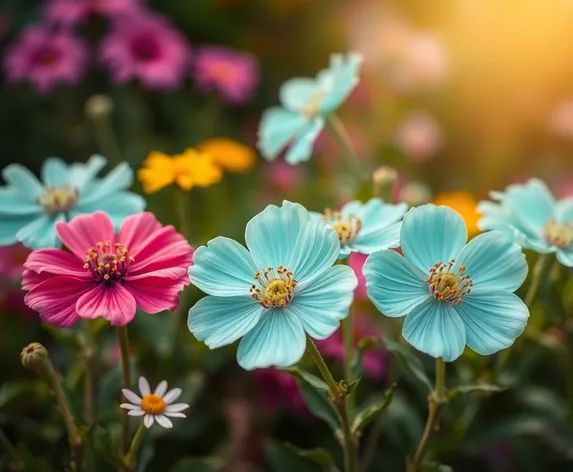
<point>460,97</point>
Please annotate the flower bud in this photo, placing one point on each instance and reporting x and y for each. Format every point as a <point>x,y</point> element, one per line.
<point>34,356</point>
<point>98,107</point>
<point>415,193</point>
<point>383,181</point>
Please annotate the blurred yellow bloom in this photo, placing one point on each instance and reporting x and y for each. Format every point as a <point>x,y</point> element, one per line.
<point>191,169</point>
<point>465,204</point>
<point>231,155</point>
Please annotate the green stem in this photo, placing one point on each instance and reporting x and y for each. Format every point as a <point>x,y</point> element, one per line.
<point>123,343</point>
<point>323,368</point>
<point>436,401</point>
<point>337,130</point>
<point>182,208</point>
<point>134,447</point>
<point>348,337</point>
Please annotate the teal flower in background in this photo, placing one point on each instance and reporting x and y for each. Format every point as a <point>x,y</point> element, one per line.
<point>271,294</point>
<point>305,104</point>
<point>533,217</point>
<point>366,227</point>
<point>451,293</point>
<point>29,208</point>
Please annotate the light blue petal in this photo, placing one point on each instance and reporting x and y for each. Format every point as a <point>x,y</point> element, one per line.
<point>315,250</point>
<point>493,319</point>
<point>223,268</point>
<point>119,178</point>
<point>565,257</point>
<point>432,234</point>
<point>394,285</point>
<point>375,213</point>
<point>301,149</point>
<point>219,321</point>
<point>493,262</point>
<point>277,128</point>
<point>277,340</point>
<point>354,208</point>
<point>41,233</point>
<point>531,203</point>
<point>435,328</point>
<point>564,210</point>
<point>118,206</point>
<point>339,80</point>
<point>13,203</point>
<point>374,238</point>
<point>55,172</point>
<point>298,94</point>
<point>272,234</point>
<point>23,181</point>
<point>83,174</point>
<point>11,224</point>
<point>326,301</point>
<point>494,217</point>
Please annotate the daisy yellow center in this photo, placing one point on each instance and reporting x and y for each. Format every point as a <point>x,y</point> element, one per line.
<point>448,286</point>
<point>346,227</point>
<point>108,261</point>
<point>274,288</point>
<point>58,199</point>
<point>312,107</point>
<point>153,404</point>
<point>559,234</point>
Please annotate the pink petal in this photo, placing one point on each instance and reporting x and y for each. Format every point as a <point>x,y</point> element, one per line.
<point>56,261</point>
<point>173,273</point>
<point>166,249</point>
<point>137,228</point>
<point>55,299</point>
<point>30,279</point>
<point>112,302</point>
<point>84,231</point>
<point>155,294</point>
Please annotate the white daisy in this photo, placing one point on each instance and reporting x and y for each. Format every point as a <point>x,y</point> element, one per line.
<point>156,406</point>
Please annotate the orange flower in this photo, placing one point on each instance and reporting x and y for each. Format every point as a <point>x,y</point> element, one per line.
<point>465,204</point>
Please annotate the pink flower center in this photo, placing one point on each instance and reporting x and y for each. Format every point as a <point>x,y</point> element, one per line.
<point>46,56</point>
<point>145,48</point>
<point>108,262</point>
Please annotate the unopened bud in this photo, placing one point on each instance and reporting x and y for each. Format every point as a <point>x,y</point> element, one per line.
<point>383,180</point>
<point>34,356</point>
<point>415,193</point>
<point>98,107</point>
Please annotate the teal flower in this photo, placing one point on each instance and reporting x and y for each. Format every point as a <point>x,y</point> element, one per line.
<point>271,294</point>
<point>533,218</point>
<point>305,104</point>
<point>29,209</point>
<point>451,293</point>
<point>366,227</point>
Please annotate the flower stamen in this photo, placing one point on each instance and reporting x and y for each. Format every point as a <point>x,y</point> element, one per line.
<point>107,261</point>
<point>559,234</point>
<point>347,227</point>
<point>448,286</point>
<point>153,404</point>
<point>274,288</point>
<point>60,199</point>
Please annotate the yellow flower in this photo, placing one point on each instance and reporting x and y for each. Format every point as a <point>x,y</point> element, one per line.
<point>465,204</point>
<point>231,155</point>
<point>190,169</point>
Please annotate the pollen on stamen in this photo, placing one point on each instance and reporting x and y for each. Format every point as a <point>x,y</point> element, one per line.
<point>274,288</point>
<point>108,262</point>
<point>347,227</point>
<point>448,286</point>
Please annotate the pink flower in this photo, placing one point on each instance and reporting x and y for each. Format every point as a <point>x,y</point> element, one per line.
<point>107,275</point>
<point>12,260</point>
<point>234,74</point>
<point>419,136</point>
<point>277,388</point>
<point>45,58</point>
<point>71,12</point>
<point>278,175</point>
<point>148,48</point>
<point>356,263</point>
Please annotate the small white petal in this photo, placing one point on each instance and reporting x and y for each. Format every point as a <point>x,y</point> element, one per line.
<point>172,395</point>
<point>164,421</point>
<point>161,388</point>
<point>132,397</point>
<point>176,407</point>
<point>144,386</point>
<point>129,406</point>
<point>148,420</point>
<point>136,412</point>
<point>175,415</point>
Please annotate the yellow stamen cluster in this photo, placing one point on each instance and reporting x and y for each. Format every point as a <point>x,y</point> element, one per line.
<point>58,199</point>
<point>108,261</point>
<point>448,286</point>
<point>347,227</point>
<point>274,288</point>
<point>559,234</point>
<point>153,404</point>
<point>312,107</point>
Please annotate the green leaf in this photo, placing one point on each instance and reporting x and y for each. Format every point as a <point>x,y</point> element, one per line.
<point>198,464</point>
<point>409,361</point>
<point>349,388</point>
<point>480,387</point>
<point>306,376</point>
<point>428,466</point>
<point>319,455</point>
<point>65,337</point>
<point>99,441</point>
<point>12,390</point>
<point>30,462</point>
<point>365,416</point>
<point>362,347</point>
<point>282,459</point>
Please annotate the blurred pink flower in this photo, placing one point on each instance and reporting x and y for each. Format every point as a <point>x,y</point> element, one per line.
<point>71,12</point>
<point>278,175</point>
<point>148,48</point>
<point>276,389</point>
<point>12,260</point>
<point>419,136</point>
<point>356,263</point>
<point>45,58</point>
<point>561,120</point>
<point>234,74</point>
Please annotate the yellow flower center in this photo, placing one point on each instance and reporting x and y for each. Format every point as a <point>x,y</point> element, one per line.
<point>107,261</point>
<point>559,234</point>
<point>448,286</point>
<point>58,199</point>
<point>274,288</point>
<point>312,107</point>
<point>153,404</point>
<point>347,227</point>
